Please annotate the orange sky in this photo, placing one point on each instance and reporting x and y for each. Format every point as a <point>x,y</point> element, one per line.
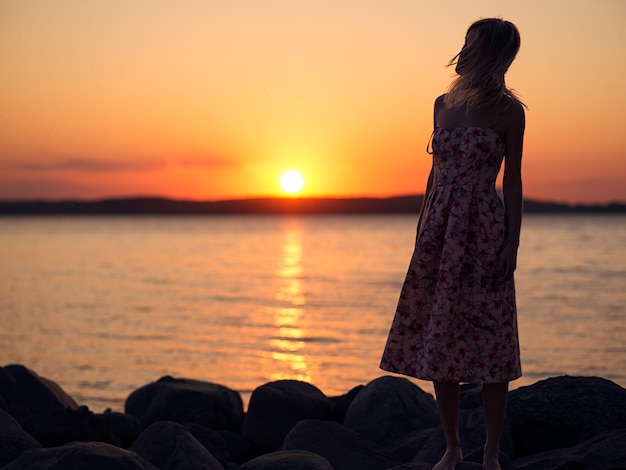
<point>216,99</point>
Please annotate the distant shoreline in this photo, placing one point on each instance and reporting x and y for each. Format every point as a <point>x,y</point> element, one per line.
<point>409,204</point>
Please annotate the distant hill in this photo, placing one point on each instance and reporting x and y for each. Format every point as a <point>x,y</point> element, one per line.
<point>143,205</point>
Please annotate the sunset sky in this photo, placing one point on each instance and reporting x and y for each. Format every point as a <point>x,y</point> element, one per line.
<point>208,99</point>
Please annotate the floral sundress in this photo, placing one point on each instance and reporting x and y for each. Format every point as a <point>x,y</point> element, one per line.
<point>455,322</point>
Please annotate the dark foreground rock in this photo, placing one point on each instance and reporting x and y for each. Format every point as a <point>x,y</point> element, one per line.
<point>564,423</point>
<point>80,455</point>
<point>276,407</point>
<point>168,445</point>
<point>186,400</point>
<point>27,394</point>
<point>288,460</point>
<point>564,411</point>
<point>13,439</point>
<point>389,408</point>
<point>606,451</point>
<point>342,447</point>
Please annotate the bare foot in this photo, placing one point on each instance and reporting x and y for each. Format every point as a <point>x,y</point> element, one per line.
<point>491,463</point>
<point>450,459</point>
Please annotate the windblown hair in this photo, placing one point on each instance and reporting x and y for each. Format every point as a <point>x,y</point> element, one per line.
<point>482,63</point>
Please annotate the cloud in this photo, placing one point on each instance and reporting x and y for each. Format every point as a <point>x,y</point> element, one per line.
<point>45,188</point>
<point>89,165</point>
<point>208,162</point>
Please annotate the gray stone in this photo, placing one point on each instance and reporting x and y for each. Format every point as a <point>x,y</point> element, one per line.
<point>186,401</point>
<point>563,411</point>
<point>342,447</point>
<point>168,446</point>
<point>389,408</point>
<point>13,439</point>
<point>80,455</point>
<point>606,451</point>
<point>276,407</point>
<point>288,460</point>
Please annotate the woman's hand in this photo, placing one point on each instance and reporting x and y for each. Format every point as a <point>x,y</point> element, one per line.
<point>507,262</point>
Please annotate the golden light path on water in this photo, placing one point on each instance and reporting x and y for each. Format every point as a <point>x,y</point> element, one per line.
<point>287,347</point>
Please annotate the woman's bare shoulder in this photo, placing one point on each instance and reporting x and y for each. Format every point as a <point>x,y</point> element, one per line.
<point>515,115</point>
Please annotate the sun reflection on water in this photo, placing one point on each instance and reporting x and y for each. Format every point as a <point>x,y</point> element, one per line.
<point>287,346</point>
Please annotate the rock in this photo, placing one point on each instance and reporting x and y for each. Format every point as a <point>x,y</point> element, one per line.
<point>79,455</point>
<point>13,439</point>
<point>428,466</point>
<point>210,440</point>
<point>602,452</point>
<point>186,401</point>
<point>59,427</point>
<point>7,388</point>
<point>471,396</point>
<point>276,407</point>
<point>168,445</point>
<point>27,394</point>
<point>563,411</point>
<point>288,460</point>
<point>428,446</point>
<point>342,403</point>
<point>389,408</point>
<point>342,447</point>
<point>124,427</point>
<point>238,448</point>
<point>407,448</point>
<point>413,466</point>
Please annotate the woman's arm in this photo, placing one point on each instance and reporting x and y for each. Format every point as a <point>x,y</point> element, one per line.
<point>512,188</point>
<point>429,182</point>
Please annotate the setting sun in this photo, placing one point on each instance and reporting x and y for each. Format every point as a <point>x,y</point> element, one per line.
<point>291,182</point>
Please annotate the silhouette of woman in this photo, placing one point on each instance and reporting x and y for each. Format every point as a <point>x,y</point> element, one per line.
<point>456,319</point>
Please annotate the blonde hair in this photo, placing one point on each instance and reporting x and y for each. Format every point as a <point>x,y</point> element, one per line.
<point>482,63</point>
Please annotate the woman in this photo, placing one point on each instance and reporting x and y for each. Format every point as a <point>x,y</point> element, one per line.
<point>456,319</point>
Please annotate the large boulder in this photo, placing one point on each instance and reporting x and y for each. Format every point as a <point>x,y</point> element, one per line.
<point>428,466</point>
<point>288,460</point>
<point>186,401</point>
<point>13,439</point>
<point>563,411</point>
<point>238,448</point>
<point>602,452</point>
<point>342,403</point>
<point>124,427</point>
<point>80,455</point>
<point>342,447</point>
<point>389,408</point>
<point>28,394</point>
<point>168,446</point>
<point>212,441</point>
<point>276,407</point>
<point>58,427</point>
<point>472,434</point>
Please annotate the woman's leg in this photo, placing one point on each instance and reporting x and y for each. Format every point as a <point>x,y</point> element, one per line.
<point>494,399</point>
<point>448,395</point>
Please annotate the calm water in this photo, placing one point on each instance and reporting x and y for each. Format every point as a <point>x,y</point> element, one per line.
<point>104,305</point>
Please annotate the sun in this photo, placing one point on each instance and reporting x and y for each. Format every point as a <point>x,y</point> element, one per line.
<point>292,182</point>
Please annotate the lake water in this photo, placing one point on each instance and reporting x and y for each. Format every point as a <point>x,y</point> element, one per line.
<point>103,305</point>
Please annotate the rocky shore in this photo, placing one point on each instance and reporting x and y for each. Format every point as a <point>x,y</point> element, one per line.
<point>390,423</point>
